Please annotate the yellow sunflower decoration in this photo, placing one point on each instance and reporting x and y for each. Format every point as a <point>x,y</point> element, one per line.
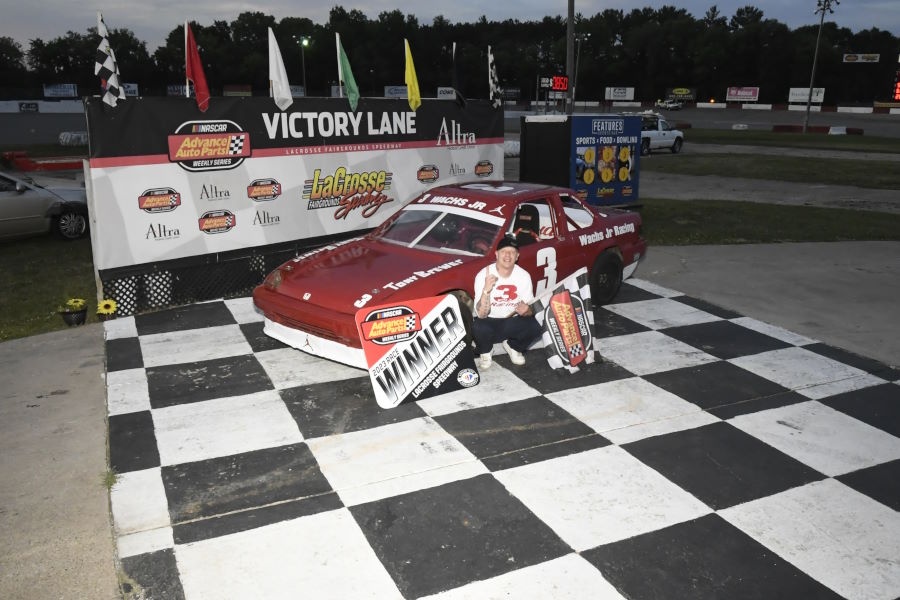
<point>608,153</point>
<point>624,154</point>
<point>589,156</point>
<point>107,307</point>
<point>588,176</point>
<point>623,174</point>
<point>606,174</point>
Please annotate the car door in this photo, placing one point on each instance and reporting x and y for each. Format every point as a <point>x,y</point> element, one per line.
<point>538,253</point>
<point>664,136</point>
<point>22,208</point>
<point>574,220</point>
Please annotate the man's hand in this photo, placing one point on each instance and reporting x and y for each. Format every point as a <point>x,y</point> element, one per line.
<point>489,282</point>
<point>523,309</point>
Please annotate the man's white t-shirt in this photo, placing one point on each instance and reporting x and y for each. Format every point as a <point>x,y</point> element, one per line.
<point>507,292</point>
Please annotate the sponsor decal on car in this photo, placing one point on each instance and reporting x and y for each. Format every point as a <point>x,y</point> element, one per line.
<point>428,174</point>
<point>209,145</point>
<point>347,191</point>
<point>156,200</point>
<point>261,190</point>
<point>217,221</point>
<point>484,168</point>
<point>417,275</point>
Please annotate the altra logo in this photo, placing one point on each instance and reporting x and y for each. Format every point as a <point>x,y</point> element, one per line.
<point>209,145</point>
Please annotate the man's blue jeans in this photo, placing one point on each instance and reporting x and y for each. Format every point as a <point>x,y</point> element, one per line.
<point>520,332</point>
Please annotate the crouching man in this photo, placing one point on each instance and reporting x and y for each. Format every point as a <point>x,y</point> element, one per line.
<point>502,313</point>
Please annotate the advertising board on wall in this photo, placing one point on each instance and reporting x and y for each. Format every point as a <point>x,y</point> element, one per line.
<point>862,58</point>
<point>742,94</point>
<point>168,182</point>
<point>796,95</point>
<point>619,93</point>
<point>60,90</point>
<point>682,94</point>
<point>605,150</point>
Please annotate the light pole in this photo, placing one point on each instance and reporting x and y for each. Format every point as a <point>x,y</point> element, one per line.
<point>822,6</point>
<point>304,42</point>
<point>579,37</point>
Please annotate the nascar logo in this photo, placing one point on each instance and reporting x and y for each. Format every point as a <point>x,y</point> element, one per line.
<point>217,221</point>
<point>158,200</point>
<point>263,189</point>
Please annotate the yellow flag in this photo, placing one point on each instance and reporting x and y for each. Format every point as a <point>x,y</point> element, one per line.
<point>412,83</point>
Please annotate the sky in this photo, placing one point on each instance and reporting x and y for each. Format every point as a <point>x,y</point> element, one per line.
<point>152,20</point>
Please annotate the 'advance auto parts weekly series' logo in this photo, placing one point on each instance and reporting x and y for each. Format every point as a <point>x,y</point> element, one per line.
<point>217,221</point>
<point>209,145</point>
<point>261,190</point>
<point>158,200</point>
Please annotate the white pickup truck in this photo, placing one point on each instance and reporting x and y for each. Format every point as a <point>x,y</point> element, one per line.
<point>657,133</point>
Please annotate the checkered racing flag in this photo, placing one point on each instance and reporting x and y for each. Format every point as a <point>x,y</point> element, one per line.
<point>493,80</point>
<point>236,145</point>
<point>566,314</point>
<point>107,67</point>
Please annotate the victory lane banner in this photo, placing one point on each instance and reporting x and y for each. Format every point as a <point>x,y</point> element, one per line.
<point>416,349</point>
<point>567,316</point>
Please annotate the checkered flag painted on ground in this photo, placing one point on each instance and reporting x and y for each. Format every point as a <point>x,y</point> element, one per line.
<point>107,67</point>
<point>493,80</point>
<point>580,292</point>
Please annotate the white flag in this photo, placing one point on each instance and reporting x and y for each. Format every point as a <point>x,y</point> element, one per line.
<point>279,87</point>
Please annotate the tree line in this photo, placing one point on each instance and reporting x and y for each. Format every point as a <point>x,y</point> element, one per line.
<point>648,49</point>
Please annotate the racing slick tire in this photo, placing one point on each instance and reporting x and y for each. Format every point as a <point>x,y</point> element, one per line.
<point>676,147</point>
<point>606,278</point>
<point>645,147</point>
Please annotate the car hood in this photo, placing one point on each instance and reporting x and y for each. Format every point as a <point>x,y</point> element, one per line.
<point>341,276</point>
<point>73,194</point>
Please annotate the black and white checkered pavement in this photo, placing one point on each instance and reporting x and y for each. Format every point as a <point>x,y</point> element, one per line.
<point>708,455</point>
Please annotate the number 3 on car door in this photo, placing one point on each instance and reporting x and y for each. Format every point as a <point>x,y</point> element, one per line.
<point>546,257</point>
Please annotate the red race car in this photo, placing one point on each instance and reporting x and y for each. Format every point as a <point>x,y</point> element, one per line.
<point>435,245</point>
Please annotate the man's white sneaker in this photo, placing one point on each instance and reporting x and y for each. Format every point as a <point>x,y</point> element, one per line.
<point>517,358</point>
<point>484,361</point>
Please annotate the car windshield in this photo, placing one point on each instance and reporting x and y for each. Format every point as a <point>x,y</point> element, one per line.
<point>442,230</point>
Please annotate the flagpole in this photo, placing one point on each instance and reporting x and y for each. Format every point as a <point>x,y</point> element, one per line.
<point>187,84</point>
<point>337,48</point>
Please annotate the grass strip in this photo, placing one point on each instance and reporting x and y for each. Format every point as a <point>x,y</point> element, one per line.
<point>832,171</point>
<point>700,222</point>
<point>818,141</point>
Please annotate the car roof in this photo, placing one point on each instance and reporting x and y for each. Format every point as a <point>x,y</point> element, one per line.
<point>499,192</point>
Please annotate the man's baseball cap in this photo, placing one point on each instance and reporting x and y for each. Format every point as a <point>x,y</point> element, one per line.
<point>508,241</point>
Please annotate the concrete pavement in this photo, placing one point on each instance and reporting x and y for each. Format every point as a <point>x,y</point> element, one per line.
<point>54,509</point>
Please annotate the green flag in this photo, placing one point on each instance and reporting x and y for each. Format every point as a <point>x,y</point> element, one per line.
<point>345,74</point>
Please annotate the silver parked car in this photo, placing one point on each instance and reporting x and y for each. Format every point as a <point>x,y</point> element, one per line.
<point>27,208</point>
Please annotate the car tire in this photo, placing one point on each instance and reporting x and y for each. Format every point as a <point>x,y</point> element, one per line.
<point>645,147</point>
<point>606,278</point>
<point>676,147</point>
<point>70,225</point>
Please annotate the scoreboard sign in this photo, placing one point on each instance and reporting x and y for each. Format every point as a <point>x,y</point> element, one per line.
<point>558,83</point>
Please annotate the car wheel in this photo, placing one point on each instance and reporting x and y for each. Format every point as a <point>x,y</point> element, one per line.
<point>466,309</point>
<point>70,225</point>
<point>606,278</point>
<point>645,147</point>
<point>676,147</point>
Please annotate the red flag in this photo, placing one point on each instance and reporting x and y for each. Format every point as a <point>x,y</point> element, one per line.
<point>194,69</point>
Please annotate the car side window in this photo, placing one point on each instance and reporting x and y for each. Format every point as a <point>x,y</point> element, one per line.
<point>533,222</point>
<point>577,216</point>
<point>7,184</point>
